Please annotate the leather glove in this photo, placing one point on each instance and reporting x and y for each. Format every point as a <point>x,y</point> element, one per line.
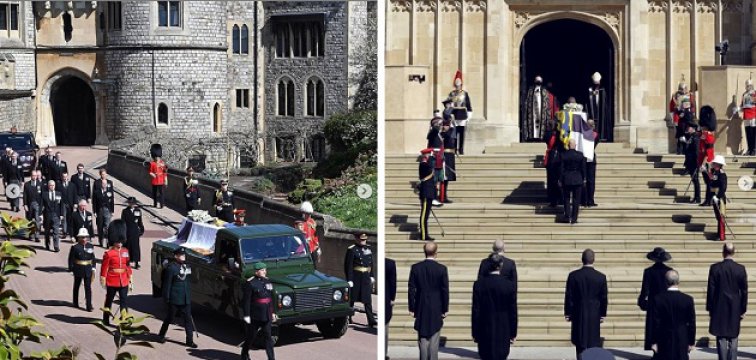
<point>247,320</point>
<point>351,284</point>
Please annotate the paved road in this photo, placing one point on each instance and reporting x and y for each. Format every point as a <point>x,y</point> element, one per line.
<point>47,290</point>
<point>556,353</point>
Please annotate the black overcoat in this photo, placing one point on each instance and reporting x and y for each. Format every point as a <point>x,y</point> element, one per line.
<point>653,284</point>
<point>585,303</point>
<point>428,296</point>
<point>726,298</point>
<point>390,291</point>
<point>134,229</point>
<point>674,324</point>
<point>494,316</point>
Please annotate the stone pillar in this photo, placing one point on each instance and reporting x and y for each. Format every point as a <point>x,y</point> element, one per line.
<point>753,31</point>
<point>100,101</point>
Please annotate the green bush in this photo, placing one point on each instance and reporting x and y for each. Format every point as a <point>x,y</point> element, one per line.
<point>287,178</point>
<point>358,129</point>
<point>353,211</point>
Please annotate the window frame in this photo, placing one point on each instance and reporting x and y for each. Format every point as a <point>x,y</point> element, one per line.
<point>114,15</point>
<point>236,39</point>
<point>216,117</point>
<point>244,39</point>
<point>168,112</point>
<point>290,97</point>
<point>168,27</point>
<point>295,38</point>
<point>242,98</point>
<point>318,102</point>
<point>9,31</point>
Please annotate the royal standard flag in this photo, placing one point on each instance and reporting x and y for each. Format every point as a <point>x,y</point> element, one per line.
<point>574,125</point>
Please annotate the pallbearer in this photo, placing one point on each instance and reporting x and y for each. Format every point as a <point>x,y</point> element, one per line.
<point>358,267</point>
<point>426,190</point>
<point>680,100</point>
<point>258,310</point>
<point>224,203</point>
<point>177,295</point>
<point>436,143</point>
<point>718,189</point>
<point>708,123</point>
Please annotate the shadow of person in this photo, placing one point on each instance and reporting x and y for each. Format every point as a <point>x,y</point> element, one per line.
<point>212,354</point>
<point>51,302</point>
<point>51,269</point>
<point>79,320</point>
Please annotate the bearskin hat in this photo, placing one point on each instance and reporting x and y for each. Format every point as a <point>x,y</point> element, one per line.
<point>708,118</point>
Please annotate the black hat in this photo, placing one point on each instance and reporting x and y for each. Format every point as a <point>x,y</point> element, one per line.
<point>659,254</point>
<point>179,251</point>
<point>708,118</point>
<point>131,200</point>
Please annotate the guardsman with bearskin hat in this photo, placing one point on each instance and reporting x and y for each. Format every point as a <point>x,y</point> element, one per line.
<point>681,100</point>
<point>708,124</point>
<point>462,110</point>
<point>426,190</point>
<point>718,189</point>
<point>748,107</point>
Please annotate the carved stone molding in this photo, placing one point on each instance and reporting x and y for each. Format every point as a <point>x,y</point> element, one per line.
<point>401,5</point>
<point>682,6</point>
<point>708,6</point>
<point>475,5</point>
<point>614,20</point>
<point>658,6</point>
<point>451,5</point>
<point>522,18</point>
<point>732,6</point>
<point>425,5</point>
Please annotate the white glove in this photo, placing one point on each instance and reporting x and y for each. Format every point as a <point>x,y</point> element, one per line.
<point>351,284</point>
<point>715,199</point>
<point>247,320</point>
<point>703,168</point>
<point>469,115</point>
<point>682,138</point>
<point>319,252</point>
<point>372,280</point>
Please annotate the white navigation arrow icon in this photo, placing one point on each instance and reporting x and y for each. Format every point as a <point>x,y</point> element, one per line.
<point>13,191</point>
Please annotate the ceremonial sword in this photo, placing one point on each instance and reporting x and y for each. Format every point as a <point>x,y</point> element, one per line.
<point>724,219</point>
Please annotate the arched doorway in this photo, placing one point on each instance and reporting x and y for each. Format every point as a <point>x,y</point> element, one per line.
<point>566,52</point>
<point>73,110</point>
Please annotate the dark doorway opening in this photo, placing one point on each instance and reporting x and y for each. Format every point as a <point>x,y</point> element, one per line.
<point>565,53</point>
<point>73,110</point>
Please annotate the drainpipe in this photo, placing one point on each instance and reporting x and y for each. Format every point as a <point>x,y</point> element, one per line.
<point>154,109</point>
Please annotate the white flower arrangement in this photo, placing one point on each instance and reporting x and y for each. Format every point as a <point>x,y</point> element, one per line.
<point>200,216</point>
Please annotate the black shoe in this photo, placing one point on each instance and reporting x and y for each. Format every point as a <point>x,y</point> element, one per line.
<point>705,203</point>
<point>569,220</point>
<point>191,344</point>
<point>448,201</point>
<point>136,266</point>
<point>57,250</point>
<point>695,201</point>
<point>161,339</point>
<point>428,238</point>
<point>573,221</point>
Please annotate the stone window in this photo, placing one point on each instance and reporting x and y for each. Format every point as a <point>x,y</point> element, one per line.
<point>247,157</point>
<point>242,98</point>
<point>240,39</point>
<point>285,97</point>
<point>315,97</point>
<point>295,38</point>
<point>316,148</point>
<point>113,9</point>
<point>162,115</point>
<point>217,118</point>
<point>169,13</point>
<point>244,39</point>
<point>235,40</point>
<point>286,148</point>
<point>9,20</point>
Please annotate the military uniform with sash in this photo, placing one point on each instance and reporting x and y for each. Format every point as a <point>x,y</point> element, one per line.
<point>258,312</point>
<point>81,263</point>
<point>718,198</point>
<point>358,267</point>
<point>224,205</point>
<point>177,295</point>
<point>450,168</point>
<point>427,192</point>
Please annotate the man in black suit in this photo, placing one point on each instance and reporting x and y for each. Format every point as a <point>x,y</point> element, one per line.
<point>83,183</point>
<point>13,173</point>
<point>585,303</point>
<point>508,269</point>
<point>653,284</point>
<point>68,193</point>
<point>572,180</point>
<point>674,321</point>
<point>103,204</point>
<point>45,164</point>
<point>428,295</point>
<point>132,216</point>
<point>494,313</point>
<point>57,168</point>
<point>390,291</point>
<point>726,302</point>
<point>33,202</point>
<point>52,208</point>
<point>81,218</point>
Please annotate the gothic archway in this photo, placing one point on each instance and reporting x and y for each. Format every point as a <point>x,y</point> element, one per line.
<point>73,111</point>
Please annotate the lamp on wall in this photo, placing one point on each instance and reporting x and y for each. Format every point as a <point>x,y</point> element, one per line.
<point>722,48</point>
<point>417,77</point>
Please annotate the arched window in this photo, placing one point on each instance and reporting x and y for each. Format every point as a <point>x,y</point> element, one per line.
<point>235,39</point>
<point>162,114</point>
<point>285,91</point>
<point>244,39</point>
<point>315,97</point>
<point>217,118</point>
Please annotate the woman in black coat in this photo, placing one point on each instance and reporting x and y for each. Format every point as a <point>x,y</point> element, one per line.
<point>132,216</point>
<point>653,284</point>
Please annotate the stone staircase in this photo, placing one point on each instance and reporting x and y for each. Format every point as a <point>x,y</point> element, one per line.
<point>501,195</point>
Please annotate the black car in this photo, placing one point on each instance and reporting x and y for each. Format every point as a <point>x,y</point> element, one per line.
<point>23,143</point>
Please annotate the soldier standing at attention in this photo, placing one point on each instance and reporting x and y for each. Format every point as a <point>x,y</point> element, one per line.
<point>159,174</point>
<point>358,267</point>
<point>310,228</point>
<point>115,272</point>
<point>103,204</point>
<point>258,310</point>
<point>81,263</point>
<point>191,191</point>
<point>177,295</point>
<point>224,203</point>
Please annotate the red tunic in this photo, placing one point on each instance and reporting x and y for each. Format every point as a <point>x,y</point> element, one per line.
<point>706,147</point>
<point>115,267</point>
<point>310,228</point>
<point>747,104</point>
<point>161,172</point>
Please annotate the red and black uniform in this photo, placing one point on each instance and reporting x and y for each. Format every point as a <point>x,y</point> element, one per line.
<point>310,231</point>
<point>718,186</point>
<point>116,271</point>
<point>159,172</point>
<point>748,104</point>
<point>450,169</point>
<point>554,149</point>
<point>436,143</point>
<point>358,269</point>
<point>258,306</point>
<point>678,112</point>
<point>427,192</point>
<point>706,155</point>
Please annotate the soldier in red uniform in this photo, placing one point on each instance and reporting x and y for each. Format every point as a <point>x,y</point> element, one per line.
<point>159,174</point>
<point>748,107</point>
<point>681,101</point>
<point>115,272</point>
<point>706,148</point>
<point>310,228</point>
